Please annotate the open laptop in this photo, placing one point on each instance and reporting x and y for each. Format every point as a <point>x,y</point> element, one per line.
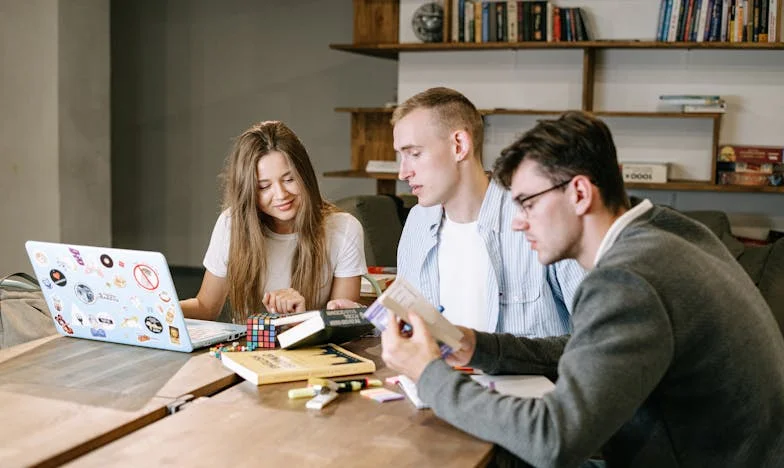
<point>119,296</point>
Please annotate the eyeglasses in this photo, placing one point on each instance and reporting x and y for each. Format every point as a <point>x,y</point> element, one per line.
<point>525,202</point>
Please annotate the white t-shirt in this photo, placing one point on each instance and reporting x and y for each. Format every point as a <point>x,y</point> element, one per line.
<point>345,245</point>
<point>463,265</point>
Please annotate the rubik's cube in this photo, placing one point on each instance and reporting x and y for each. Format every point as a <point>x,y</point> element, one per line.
<point>261,331</point>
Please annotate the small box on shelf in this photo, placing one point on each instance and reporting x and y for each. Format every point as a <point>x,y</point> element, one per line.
<point>655,173</point>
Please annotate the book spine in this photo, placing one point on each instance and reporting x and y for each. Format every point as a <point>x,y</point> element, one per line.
<point>549,23</point>
<point>511,20</point>
<point>557,24</point>
<point>479,26</point>
<point>725,16</point>
<point>755,21</point>
<point>763,18</point>
<point>660,22</point>
<point>672,34</point>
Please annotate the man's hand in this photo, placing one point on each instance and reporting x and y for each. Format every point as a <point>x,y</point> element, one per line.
<point>463,356</point>
<point>284,301</point>
<point>408,352</point>
<point>342,304</point>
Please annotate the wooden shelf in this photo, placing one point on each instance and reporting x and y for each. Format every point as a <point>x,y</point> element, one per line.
<point>689,186</point>
<point>642,114</point>
<point>678,185</point>
<point>391,50</point>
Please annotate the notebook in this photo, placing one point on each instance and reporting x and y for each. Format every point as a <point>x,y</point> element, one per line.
<point>119,296</point>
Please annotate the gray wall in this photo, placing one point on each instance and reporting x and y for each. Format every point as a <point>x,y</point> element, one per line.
<point>189,75</point>
<point>54,125</point>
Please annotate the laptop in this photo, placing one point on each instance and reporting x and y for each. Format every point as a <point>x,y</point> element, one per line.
<point>120,296</point>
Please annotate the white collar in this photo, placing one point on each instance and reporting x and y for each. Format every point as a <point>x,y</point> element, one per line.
<point>619,225</point>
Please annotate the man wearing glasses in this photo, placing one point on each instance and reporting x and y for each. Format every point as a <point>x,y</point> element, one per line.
<point>675,358</point>
<point>456,246</point>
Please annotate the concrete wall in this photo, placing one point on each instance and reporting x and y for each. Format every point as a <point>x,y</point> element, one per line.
<point>189,75</point>
<point>54,125</point>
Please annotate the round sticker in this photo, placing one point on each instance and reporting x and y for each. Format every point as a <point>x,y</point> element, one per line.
<point>145,277</point>
<point>84,293</point>
<point>58,277</point>
<point>153,324</point>
<point>107,261</point>
<point>170,316</point>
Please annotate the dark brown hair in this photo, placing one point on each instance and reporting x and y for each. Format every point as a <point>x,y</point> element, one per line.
<point>576,143</point>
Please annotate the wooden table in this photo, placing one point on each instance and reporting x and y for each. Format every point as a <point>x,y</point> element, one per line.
<point>248,425</point>
<point>62,397</point>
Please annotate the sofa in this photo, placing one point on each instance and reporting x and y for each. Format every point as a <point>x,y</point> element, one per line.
<point>383,216</point>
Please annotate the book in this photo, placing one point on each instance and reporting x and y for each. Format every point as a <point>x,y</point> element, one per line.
<point>325,326</point>
<point>399,298</point>
<point>287,365</point>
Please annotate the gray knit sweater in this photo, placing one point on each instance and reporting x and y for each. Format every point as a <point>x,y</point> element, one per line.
<point>675,360</point>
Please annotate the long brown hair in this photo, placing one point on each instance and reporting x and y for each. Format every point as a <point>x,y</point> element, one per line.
<point>247,269</point>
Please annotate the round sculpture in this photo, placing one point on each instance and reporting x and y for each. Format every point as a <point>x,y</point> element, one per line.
<point>428,21</point>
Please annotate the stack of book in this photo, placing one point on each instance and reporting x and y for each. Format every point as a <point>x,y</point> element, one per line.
<point>719,21</point>
<point>513,21</point>
<point>750,165</point>
<point>692,103</point>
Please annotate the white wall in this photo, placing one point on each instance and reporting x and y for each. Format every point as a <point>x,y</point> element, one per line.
<point>54,125</point>
<point>190,75</point>
<point>751,81</point>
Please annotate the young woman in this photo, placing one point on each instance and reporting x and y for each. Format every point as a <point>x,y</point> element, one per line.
<point>277,245</point>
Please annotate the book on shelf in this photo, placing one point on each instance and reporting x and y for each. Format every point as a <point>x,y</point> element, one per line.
<point>400,297</point>
<point>325,326</point>
<point>690,100</point>
<point>711,108</point>
<point>751,154</point>
<point>288,365</point>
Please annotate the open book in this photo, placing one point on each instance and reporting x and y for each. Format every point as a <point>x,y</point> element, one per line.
<point>399,298</point>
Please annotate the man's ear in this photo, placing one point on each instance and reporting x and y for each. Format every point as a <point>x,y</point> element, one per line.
<point>583,194</point>
<point>461,144</point>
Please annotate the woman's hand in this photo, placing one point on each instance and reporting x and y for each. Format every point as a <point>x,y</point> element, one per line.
<point>284,301</point>
<point>342,304</point>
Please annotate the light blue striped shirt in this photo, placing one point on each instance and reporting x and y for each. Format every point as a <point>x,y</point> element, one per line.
<point>524,297</point>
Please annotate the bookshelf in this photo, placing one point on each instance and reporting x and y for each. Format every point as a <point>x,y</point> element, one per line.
<point>376,35</point>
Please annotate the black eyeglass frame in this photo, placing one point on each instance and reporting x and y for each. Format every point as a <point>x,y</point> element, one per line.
<point>520,201</point>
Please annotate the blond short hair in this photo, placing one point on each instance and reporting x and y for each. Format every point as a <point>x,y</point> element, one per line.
<point>452,111</point>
